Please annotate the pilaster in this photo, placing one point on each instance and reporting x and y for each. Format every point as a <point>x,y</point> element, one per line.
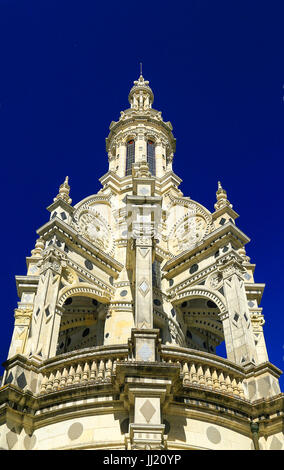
<point>237,326</point>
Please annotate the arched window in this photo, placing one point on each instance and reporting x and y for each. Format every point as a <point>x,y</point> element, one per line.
<point>151,157</point>
<point>130,156</point>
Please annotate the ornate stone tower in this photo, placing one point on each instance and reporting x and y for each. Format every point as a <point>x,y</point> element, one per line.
<point>127,296</point>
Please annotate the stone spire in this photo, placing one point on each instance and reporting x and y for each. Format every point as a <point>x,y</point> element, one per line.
<point>64,191</point>
<point>222,200</point>
<point>141,96</point>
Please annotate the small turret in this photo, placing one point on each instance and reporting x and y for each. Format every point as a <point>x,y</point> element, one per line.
<point>141,96</point>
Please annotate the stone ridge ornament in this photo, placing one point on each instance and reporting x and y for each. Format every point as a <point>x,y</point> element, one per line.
<point>127,297</point>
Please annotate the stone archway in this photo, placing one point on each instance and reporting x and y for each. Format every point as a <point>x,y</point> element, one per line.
<point>83,312</point>
<point>204,292</point>
<point>83,289</point>
<point>202,311</point>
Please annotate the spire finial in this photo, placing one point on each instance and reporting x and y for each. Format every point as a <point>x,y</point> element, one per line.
<point>64,191</point>
<point>221,197</point>
<point>141,96</point>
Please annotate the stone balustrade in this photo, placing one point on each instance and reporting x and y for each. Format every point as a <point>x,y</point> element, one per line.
<point>205,370</point>
<point>96,366</point>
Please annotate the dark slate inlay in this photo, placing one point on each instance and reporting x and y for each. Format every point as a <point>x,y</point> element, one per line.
<point>54,214</point>
<point>88,264</point>
<point>225,249</point>
<point>86,332</point>
<point>236,317</point>
<point>63,216</point>
<point>123,293</point>
<point>21,380</point>
<point>111,280</point>
<point>221,290</point>
<point>58,243</point>
<point>222,221</point>
<point>171,282</point>
<point>173,312</point>
<point>157,302</point>
<point>9,378</point>
<point>193,268</point>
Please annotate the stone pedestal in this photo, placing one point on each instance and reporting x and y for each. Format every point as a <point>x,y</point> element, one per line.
<point>145,343</point>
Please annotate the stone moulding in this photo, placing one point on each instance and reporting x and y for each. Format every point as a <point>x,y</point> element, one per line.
<point>201,291</point>
<point>69,234</point>
<point>90,291</point>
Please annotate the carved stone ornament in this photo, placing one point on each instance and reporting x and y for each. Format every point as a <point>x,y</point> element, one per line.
<point>94,228</point>
<point>215,280</point>
<point>187,233</point>
<point>68,276</point>
<point>257,321</point>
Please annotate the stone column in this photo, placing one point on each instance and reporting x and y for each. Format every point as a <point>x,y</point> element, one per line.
<point>146,212</point>
<point>121,161</point>
<point>160,161</point>
<point>140,148</point>
<point>143,287</point>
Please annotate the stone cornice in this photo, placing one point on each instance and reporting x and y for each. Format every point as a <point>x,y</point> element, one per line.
<point>225,210</point>
<point>254,290</point>
<point>228,232</point>
<point>56,226</point>
<point>26,284</point>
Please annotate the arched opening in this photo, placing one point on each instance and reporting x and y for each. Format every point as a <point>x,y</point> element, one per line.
<point>151,157</point>
<point>203,326</point>
<point>82,324</point>
<point>130,156</point>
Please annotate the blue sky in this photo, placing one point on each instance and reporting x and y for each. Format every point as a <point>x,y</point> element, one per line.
<point>217,72</point>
